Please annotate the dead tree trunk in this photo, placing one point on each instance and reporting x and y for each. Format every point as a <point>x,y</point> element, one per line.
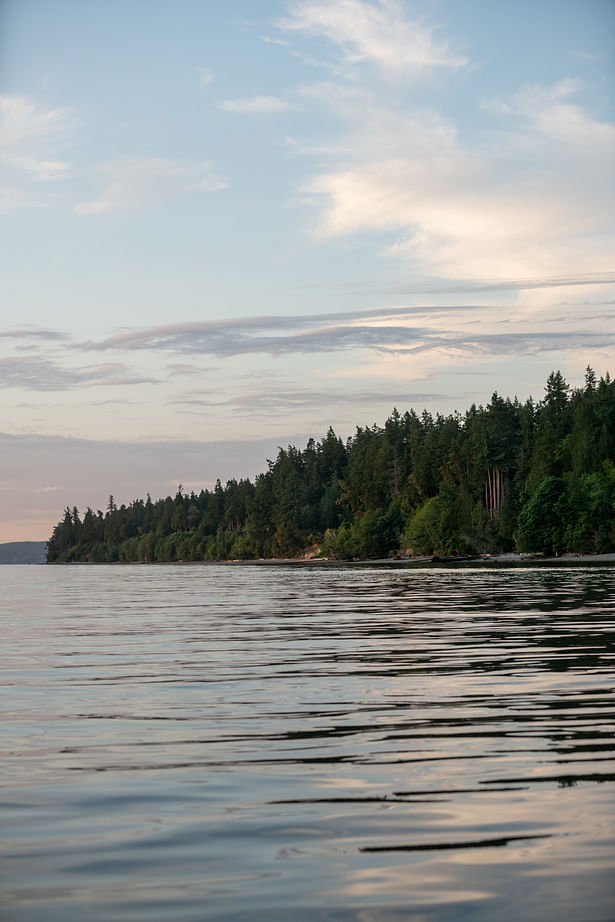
<point>494,493</point>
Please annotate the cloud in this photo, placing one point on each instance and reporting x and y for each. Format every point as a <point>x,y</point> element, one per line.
<point>372,32</point>
<point>284,398</point>
<point>586,55</point>
<point>23,123</point>
<point>29,133</point>
<point>255,105</point>
<point>205,76</point>
<point>534,98</point>
<point>531,194</point>
<point>223,340</point>
<point>33,333</point>
<point>245,334</point>
<point>536,196</point>
<point>166,336</point>
<point>457,329</point>
<point>271,40</point>
<point>181,370</point>
<point>139,181</point>
<point>43,374</point>
<point>521,284</point>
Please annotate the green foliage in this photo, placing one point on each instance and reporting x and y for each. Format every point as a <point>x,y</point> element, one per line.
<point>373,534</point>
<point>539,477</point>
<point>589,526</point>
<point>422,533</point>
<point>540,526</point>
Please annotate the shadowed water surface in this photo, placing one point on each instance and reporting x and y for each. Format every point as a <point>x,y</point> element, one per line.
<point>286,743</point>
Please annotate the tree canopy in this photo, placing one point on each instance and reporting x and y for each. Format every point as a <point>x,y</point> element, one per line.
<point>535,477</point>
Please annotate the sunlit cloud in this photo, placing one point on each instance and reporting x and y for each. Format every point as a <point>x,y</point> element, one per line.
<point>406,214</point>
<point>429,332</point>
<point>374,32</point>
<point>520,284</point>
<point>536,197</point>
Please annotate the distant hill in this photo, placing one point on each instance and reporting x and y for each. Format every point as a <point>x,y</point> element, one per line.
<point>23,552</point>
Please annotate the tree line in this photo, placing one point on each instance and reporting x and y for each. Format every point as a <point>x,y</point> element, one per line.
<point>508,476</point>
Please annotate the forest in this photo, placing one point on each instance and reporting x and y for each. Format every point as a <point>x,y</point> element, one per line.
<point>533,477</point>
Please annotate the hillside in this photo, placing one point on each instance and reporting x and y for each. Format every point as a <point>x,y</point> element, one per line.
<point>23,552</point>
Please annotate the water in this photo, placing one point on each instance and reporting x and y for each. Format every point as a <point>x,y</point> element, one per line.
<point>284,743</point>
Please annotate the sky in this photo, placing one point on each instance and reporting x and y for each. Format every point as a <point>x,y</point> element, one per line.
<point>226,225</point>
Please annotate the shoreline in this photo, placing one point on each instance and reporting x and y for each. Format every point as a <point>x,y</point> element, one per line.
<point>495,561</point>
<point>486,561</point>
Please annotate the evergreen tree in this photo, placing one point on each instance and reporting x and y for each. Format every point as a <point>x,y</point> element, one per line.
<point>538,477</point>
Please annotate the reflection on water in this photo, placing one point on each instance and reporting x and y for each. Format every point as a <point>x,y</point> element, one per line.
<point>270,743</point>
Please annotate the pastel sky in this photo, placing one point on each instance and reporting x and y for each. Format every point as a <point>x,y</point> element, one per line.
<point>228,224</point>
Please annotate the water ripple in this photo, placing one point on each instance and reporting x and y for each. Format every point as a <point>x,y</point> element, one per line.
<point>335,743</point>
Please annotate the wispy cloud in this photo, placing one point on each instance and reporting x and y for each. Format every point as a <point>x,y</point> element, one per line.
<point>400,331</point>
<point>224,340</point>
<point>29,135</point>
<point>183,370</point>
<point>255,105</point>
<point>217,336</point>
<point>284,398</point>
<point>532,194</point>
<point>272,40</point>
<point>205,76</point>
<point>34,333</point>
<point>586,55</point>
<point>374,32</point>
<point>520,284</point>
<point>536,197</point>
<point>23,124</point>
<point>139,181</point>
<point>43,374</point>
<point>534,99</point>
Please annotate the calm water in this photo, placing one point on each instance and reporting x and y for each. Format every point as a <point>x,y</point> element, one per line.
<point>286,743</point>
